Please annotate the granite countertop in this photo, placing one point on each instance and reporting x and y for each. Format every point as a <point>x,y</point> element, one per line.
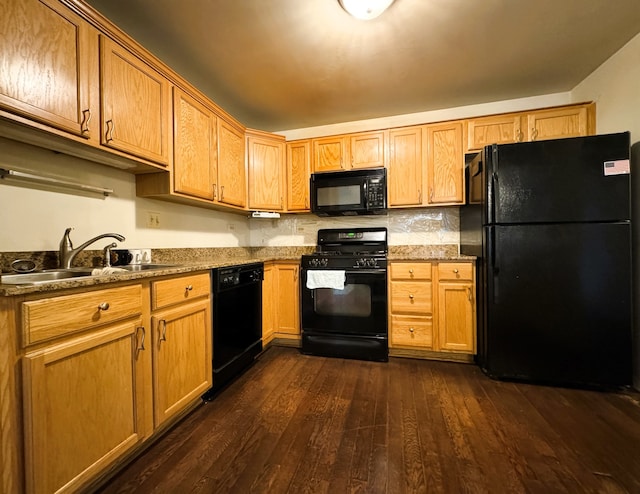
<point>192,260</point>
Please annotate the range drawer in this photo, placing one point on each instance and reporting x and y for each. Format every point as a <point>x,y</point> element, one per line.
<point>411,297</point>
<point>52,317</point>
<point>455,271</point>
<point>177,290</point>
<point>413,331</point>
<point>410,270</point>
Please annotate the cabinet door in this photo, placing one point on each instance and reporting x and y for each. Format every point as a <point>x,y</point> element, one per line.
<point>182,357</point>
<point>445,163</point>
<point>456,317</point>
<point>82,406</point>
<point>298,175</point>
<point>45,64</point>
<point>404,183</point>
<point>194,147</point>
<point>266,173</point>
<point>558,123</point>
<point>136,104</point>
<point>330,153</point>
<point>232,175</point>
<point>498,129</point>
<point>367,149</point>
<point>288,299</point>
<point>268,300</point>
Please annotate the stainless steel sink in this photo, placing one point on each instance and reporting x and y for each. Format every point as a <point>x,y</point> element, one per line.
<point>46,276</point>
<point>146,267</point>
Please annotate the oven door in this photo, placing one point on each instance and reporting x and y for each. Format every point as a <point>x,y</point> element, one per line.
<point>359,310</point>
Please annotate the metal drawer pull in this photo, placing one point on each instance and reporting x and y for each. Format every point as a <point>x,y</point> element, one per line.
<point>163,336</point>
<point>86,118</point>
<point>110,127</point>
<point>410,330</point>
<point>189,288</point>
<point>469,293</point>
<point>144,335</point>
<point>411,296</point>
<point>103,306</point>
<point>411,271</point>
<point>455,271</point>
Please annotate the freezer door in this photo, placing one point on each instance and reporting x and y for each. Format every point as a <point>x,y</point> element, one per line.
<point>563,180</point>
<point>558,304</point>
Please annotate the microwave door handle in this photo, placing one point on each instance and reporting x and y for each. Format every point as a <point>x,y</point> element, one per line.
<point>366,195</point>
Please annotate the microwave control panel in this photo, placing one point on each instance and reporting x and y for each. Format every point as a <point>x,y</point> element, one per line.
<point>376,193</point>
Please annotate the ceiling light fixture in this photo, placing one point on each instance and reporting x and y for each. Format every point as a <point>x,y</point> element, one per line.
<point>365,9</point>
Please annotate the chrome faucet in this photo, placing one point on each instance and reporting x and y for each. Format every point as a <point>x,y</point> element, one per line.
<point>67,253</point>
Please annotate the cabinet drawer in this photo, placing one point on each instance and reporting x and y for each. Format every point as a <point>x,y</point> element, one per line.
<point>51,317</point>
<point>411,331</point>
<point>177,290</point>
<point>410,270</point>
<point>411,297</point>
<point>455,271</point>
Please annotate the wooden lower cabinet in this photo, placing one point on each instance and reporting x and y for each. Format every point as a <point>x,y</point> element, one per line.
<point>432,309</point>
<point>281,302</point>
<point>109,369</point>
<point>82,406</point>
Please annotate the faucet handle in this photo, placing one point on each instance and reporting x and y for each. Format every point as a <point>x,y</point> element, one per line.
<point>107,254</point>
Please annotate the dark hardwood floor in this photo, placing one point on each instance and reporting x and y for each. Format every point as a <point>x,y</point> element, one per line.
<point>295,423</point>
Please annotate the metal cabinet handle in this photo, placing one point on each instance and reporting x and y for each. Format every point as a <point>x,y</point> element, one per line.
<point>411,296</point>
<point>221,192</point>
<point>163,336</point>
<point>110,127</point>
<point>519,136</point>
<point>455,271</point>
<point>86,118</point>
<point>144,335</point>
<point>103,306</point>
<point>469,294</point>
<point>411,271</point>
<point>189,288</point>
<point>410,330</point>
<point>215,191</point>
<point>430,194</point>
<point>534,134</point>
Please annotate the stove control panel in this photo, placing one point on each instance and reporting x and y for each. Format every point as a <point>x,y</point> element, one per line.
<point>366,262</point>
<point>319,262</point>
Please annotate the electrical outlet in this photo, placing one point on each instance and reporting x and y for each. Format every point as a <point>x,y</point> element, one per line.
<point>153,219</point>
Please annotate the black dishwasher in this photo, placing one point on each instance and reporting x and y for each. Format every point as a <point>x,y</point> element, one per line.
<point>237,321</point>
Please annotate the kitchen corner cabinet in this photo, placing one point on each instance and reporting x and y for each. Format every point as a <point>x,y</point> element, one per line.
<point>281,311</point>
<point>84,398</point>
<point>231,187</point>
<point>404,168</point>
<point>298,175</point>
<point>182,343</point>
<point>432,309</point>
<point>267,171</point>
<point>47,53</point>
<point>135,104</point>
<point>444,163</point>
<point>195,162</point>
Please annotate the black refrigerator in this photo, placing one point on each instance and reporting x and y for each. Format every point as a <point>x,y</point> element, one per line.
<point>550,222</point>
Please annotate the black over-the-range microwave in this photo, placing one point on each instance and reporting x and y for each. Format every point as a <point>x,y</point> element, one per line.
<point>349,193</point>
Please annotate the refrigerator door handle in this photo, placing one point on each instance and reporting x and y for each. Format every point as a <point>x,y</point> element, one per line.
<point>494,270</point>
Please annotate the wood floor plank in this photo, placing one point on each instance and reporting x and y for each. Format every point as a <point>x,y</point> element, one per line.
<point>297,424</point>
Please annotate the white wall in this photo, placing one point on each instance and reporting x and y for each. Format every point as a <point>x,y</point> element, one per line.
<point>615,87</point>
<point>34,219</point>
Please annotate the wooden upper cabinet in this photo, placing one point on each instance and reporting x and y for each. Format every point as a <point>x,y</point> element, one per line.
<point>136,104</point>
<point>194,147</point>
<point>445,163</point>
<point>367,149</point>
<point>298,174</point>
<point>498,129</point>
<point>404,181</point>
<point>330,153</point>
<point>267,180</point>
<point>557,123</point>
<point>46,53</point>
<point>232,174</point>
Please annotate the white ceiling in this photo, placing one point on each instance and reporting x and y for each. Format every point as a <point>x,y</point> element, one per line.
<point>288,64</point>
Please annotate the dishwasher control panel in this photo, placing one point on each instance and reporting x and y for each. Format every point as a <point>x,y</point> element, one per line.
<point>234,276</point>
